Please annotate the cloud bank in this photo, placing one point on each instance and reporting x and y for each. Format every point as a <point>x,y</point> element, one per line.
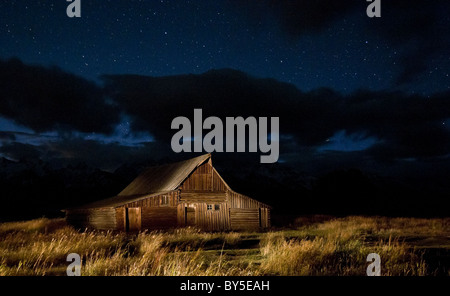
<point>397,125</point>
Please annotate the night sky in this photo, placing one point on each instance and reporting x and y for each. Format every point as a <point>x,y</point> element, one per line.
<point>347,88</point>
<point>342,49</point>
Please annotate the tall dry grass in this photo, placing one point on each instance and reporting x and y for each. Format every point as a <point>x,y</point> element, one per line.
<point>341,253</point>
<point>339,246</point>
<point>40,247</point>
<point>333,247</point>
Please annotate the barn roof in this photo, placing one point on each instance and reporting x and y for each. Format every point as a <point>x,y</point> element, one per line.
<point>117,201</point>
<point>154,181</point>
<point>164,177</point>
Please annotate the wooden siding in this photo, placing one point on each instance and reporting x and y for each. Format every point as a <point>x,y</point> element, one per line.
<point>181,214</point>
<point>200,179</point>
<point>211,219</point>
<point>237,200</point>
<point>204,178</point>
<point>203,196</point>
<point>159,218</point>
<point>264,217</point>
<point>104,219</point>
<point>244,219</point>
<point>120,219</point>
<point>206,219</point>
<point>155,201</point>
<point>133,216</point>
<point>217,182</point>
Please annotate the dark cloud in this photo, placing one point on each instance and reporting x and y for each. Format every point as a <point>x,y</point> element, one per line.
<point>45,99</point>
<point>405,125</point>
<point>20,151</point>
<point>155,101</point>
<point>408,125</point>
<point>107,156</point>
<point>7,136</point>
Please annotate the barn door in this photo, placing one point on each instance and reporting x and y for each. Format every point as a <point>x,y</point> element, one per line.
<point>133,219</point>
<point>189,215</point>
<point>264,218</point>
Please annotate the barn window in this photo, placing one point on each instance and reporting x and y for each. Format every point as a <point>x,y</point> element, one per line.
<point>215,207</point>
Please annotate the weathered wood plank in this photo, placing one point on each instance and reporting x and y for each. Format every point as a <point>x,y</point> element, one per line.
<point>104,219</point>
<point>159,217</point>
<point>244,218</point>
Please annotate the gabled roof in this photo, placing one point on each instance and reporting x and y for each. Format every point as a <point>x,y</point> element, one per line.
<point>164,178</point>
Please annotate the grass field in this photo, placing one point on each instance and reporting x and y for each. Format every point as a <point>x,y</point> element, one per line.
<point>316,246</point>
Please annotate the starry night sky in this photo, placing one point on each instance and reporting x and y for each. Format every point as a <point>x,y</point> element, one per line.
<point>345,51</point>
<point>310,48</point>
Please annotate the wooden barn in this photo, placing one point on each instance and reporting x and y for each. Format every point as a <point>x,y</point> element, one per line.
<point>186,193</point>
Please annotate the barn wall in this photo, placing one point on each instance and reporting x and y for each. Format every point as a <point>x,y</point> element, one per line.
<point>237,200</point>
<point>259,213</point>
<point>155,214</point>
<point>217,183</point>
<point>159,217</point>
<point>200,179</point>
<point>104,218</point>
<point>151,218</point>
<point>209,196</point>
<point>204,186</point>
<point>211,220</point>
<point>244,219</point>
<point>265,217</point>
<point>181,214</point>
<point>120,219</point>
<point>204,178</point>
<point>155,201</point>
